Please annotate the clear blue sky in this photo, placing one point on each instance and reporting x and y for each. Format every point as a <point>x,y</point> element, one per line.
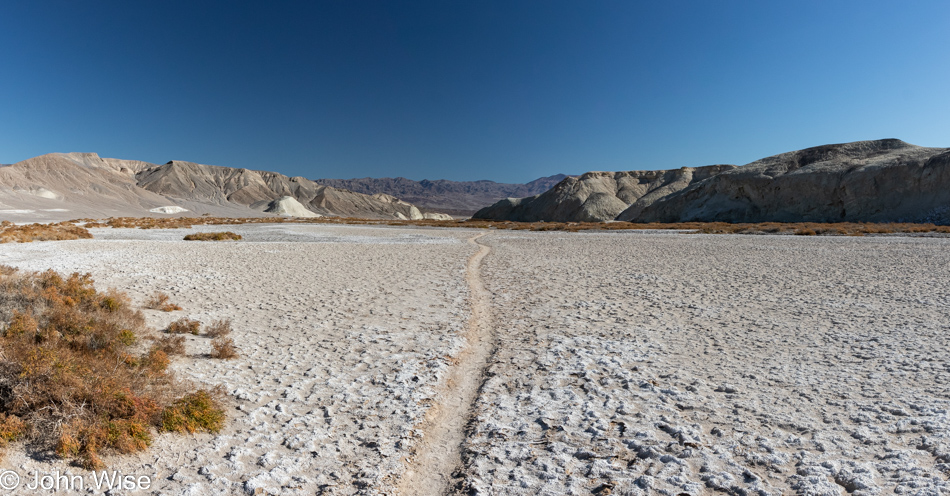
<point>503,90</point>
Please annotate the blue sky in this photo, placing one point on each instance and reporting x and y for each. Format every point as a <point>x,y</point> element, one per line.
<point>503,90</point>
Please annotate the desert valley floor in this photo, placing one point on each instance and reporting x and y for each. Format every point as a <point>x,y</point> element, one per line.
<point>560,363</point>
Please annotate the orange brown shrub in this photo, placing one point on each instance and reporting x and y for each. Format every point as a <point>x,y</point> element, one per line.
<point>213,236</point>
<point>10,233</point>
<point>160,301</point>
<point>73,381</point>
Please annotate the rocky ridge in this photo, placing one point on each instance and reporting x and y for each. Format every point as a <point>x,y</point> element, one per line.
<point>867,181</point>
<point>597,196</point>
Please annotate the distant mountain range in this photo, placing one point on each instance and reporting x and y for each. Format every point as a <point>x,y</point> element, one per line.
<point>61,186</point>
<point>453,197</point>
<point>866,181</point>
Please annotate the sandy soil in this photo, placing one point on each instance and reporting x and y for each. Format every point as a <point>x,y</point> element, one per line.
<point>612,363</point>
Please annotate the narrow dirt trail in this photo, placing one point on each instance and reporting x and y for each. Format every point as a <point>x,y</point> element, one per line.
<point>429,471</point>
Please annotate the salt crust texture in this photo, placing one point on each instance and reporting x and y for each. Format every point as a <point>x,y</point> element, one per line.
<point>642,363</point>
<point>343,335</point>
<point>669,364</point>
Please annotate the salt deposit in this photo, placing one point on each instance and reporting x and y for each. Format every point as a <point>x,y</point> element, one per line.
<point>172,209</point>
<point>621,363</point>
<point>290,207</point>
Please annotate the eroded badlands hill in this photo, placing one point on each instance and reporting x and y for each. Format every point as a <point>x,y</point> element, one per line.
<point>454,197</point>
<point>866,181</point>
<point>61,186</point>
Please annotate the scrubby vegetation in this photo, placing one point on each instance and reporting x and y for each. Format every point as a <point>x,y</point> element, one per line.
<point>196,412</point>
<point>801,228</point>
<point>10,232</point>
<point>176,222</point>
<point>170,345</point>
<point>160,301</point>
<point>822,229</point>
<point>75,377</point>
<point>219,328</point>
<point>222,347</point>
<point>213,236</point>
<point>184,326</point>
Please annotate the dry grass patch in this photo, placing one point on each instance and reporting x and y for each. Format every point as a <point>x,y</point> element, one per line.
<point>823,229</point>
<point>184,326</point>
<point>196,412</point>
<point>213,236</point>
<point>181,222</point>
<point>170,345</point>
<point>11,233</point>
<point>222,347</point>
<point>160,301</point>
<point>73,380</point>
<point>800,228</point>
<point>219,328</point>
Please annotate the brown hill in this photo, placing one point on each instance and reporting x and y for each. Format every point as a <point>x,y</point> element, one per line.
<point>226,186</point>
<point>61,186</point>
<point>73,185</point>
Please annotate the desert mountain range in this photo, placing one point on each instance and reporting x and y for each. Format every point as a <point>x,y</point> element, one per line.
<point>866,181</point>
<point>452,197</point>
<point>60,186</point>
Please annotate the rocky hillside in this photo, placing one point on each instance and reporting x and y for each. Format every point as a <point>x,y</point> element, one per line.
<point>597,196</point>
<point>73,184</point>
<point>226,186</point>
<point>874,181</point>
<point>62,186</point>
<point>454,197</point>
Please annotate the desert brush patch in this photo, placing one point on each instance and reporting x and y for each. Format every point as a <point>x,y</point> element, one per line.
<point>77,380</point>
<point>213,236</point>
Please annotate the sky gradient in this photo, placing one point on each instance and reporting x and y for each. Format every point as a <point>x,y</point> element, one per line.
<point>464,90</point>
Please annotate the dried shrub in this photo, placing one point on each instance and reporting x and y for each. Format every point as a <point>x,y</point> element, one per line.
<point>223,348</point>
<point>842,228</point>
<point>71,380</point>
<point>219,328</point>
<point>10,233</point>
<point>160,301</point>
<point>11,429</point>
<point>213,236</point>
<point>170,345</point>
<point>156,361</point>
<point>196,412</point>
<point>184,326</point>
